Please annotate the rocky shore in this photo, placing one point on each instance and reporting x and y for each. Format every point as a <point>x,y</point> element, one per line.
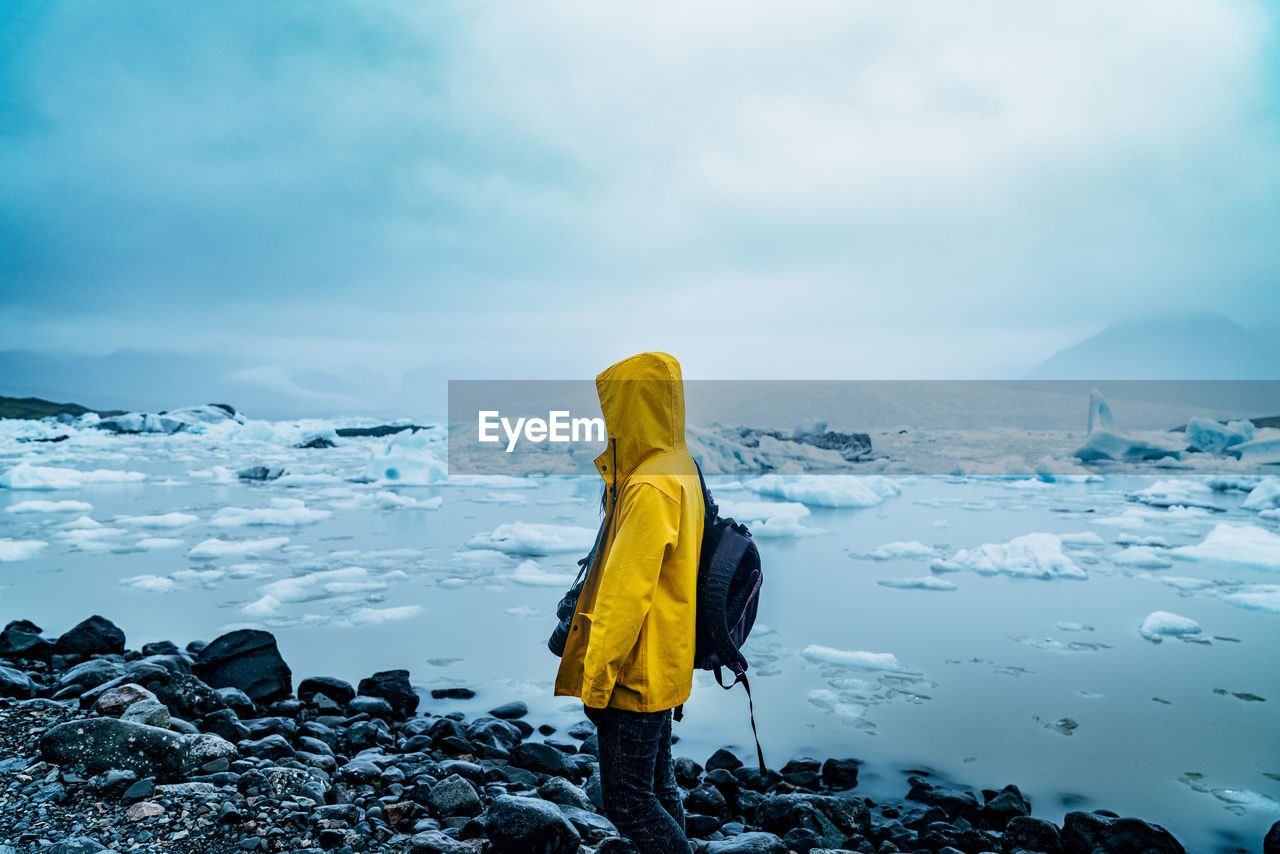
<point>211,748</point>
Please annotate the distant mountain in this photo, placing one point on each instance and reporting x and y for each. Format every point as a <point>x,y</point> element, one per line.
<point>142,380</point>
<point>1191,347</point>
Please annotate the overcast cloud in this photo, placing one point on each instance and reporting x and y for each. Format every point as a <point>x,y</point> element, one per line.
<point>829,189</point>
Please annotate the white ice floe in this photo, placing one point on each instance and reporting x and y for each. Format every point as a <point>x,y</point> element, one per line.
<point>1127,539</point>
<point>1072,626</point>
<point>901,549</point>
<point>329,582</point>
<point>1264,496</point>
<point>1247,798</point>
<point>27,476</point>
<point>1140,557</point>
<point>154,543</point>
<point>215,548</point>
<point>1177,493</point>
<point>283,512</point>
<point>374,616</point>
<point>927,582</point>
<point>1106,442</point>
<point>825,490</point>
<point>880,661</point>
<point>150,583</point>
<point>1263,449</point>
<point>770,518</point>
<point>267,606</point>
<point>1264,598</point>
<point>37,505</point>
<point>530,573</point>
<point>830,701</point>
<point>1080,539</point>
<point>409,458</point>
<point>1214,437</point>
<point>386,500</point>
<point>528,538</point>
<point>1037,555</point>
<point>164,520</point>
<point>1161,624</point>
<point>1243,544</point>
<point>1181,582</point>
<point>214,474</point>
<point>11,550</point>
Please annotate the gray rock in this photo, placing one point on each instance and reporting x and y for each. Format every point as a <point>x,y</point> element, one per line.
<point>539,757</point>
<point>102,744</point>
<point>1090,833</point>
<point>113,703</point>
<point>91,674</point>
<point>150,712</point>
<point>530,826</point>
<point>510,711</point>
<point>749,843</point>
<point>558,790</point>
<point>77,845</point>
<point>435,842</point>
<point>335,689</point>
<point>247,659</point>
<point>392,686</point>
<point>591,827</point>
<point>94,636</point>
<point>454,795</point>
<point>15,683</point>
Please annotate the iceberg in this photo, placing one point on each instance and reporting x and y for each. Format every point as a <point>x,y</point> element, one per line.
<point>1264,598</point>
<point>1037,555</point>
<point>11,550</point>
<point>26,476</point>
<point>881,661</point>
<point>825,490</point>
<point>899,549</point>
<point>1213,437</point>
<point>215,548</point>
<point>374,616</point>
<point>1243,544</point>
<point>1161,624</point>
<point>1141,557</point>
<point>150,583</point>
<point>188,418</point>
<point>408,458</point>
<point>527,538</point>
<point>1105,442</point>
<point>285,512</point>
<point>769,518</point>
<point>40,506</point>
<point>927,582</point>
<point>153,543</point>
<point>1263,449</point>
<point>1264,496</point>
<point>165,520</point>
<point>528,572</point>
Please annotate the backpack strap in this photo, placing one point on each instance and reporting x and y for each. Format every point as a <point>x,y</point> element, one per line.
<point>740,675</point>
<point>708,502</point>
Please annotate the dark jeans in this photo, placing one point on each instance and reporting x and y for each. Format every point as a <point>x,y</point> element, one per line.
<point>638,779</point>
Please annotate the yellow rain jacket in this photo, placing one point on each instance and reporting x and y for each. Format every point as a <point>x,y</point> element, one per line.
<point>632,640</point>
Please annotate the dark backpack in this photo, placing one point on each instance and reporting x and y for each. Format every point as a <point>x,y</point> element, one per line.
<point>729,580</point>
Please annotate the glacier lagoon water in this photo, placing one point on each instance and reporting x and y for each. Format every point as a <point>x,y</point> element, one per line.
<point>1042,682</point>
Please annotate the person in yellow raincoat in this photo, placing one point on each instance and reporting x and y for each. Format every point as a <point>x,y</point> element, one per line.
<point>629,653</point>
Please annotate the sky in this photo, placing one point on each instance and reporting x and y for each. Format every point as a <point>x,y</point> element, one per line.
<point>518,190</point>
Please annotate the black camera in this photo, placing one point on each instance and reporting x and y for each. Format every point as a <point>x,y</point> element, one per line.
<point>565,612</point>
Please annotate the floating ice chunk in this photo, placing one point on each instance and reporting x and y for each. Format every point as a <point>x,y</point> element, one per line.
<point>150,583</point>
<point>1159,624</point>
<point>1106,442</point>
<point>1081,539</point>
<point>1247,798</point>
<point>511,499</point>
<point>758,511</point>
<point>166,520</point>
<point>374,616</point>
<point>216,548</point>
<point>825,490</point>
<point>1141,557</point>
<point>408,458</point>
<point>1264,496</point>
<point>387,500</point>
<point>11,550</point>
<point>1071,626</point>
<point>1181,582</point>
<point>881,661</point>
<point>214,474</point>
<point>153,543</point>
<point>27,476</point>
<point>317,585</point>
<point>283,512</point>
<point>1244,544</point>
<point>1037,555</point>
<point>1176,493</point>
<point>528,572</point>
<point>927,582</point>
<point>1255,597</point>
<point>1265,448</point>
<point>267,606</point>
<point>1214,437</point>
<point>831,702</point>
<point>40,506</point>
<point>901,549</point>
<point>528,538</point>
<point>1140,540</point>
<point>83,523</point>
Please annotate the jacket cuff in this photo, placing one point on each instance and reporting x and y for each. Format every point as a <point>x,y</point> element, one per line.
<point>597,698</point>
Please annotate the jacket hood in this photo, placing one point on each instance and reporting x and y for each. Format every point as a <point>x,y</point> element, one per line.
<point>642,399</point>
